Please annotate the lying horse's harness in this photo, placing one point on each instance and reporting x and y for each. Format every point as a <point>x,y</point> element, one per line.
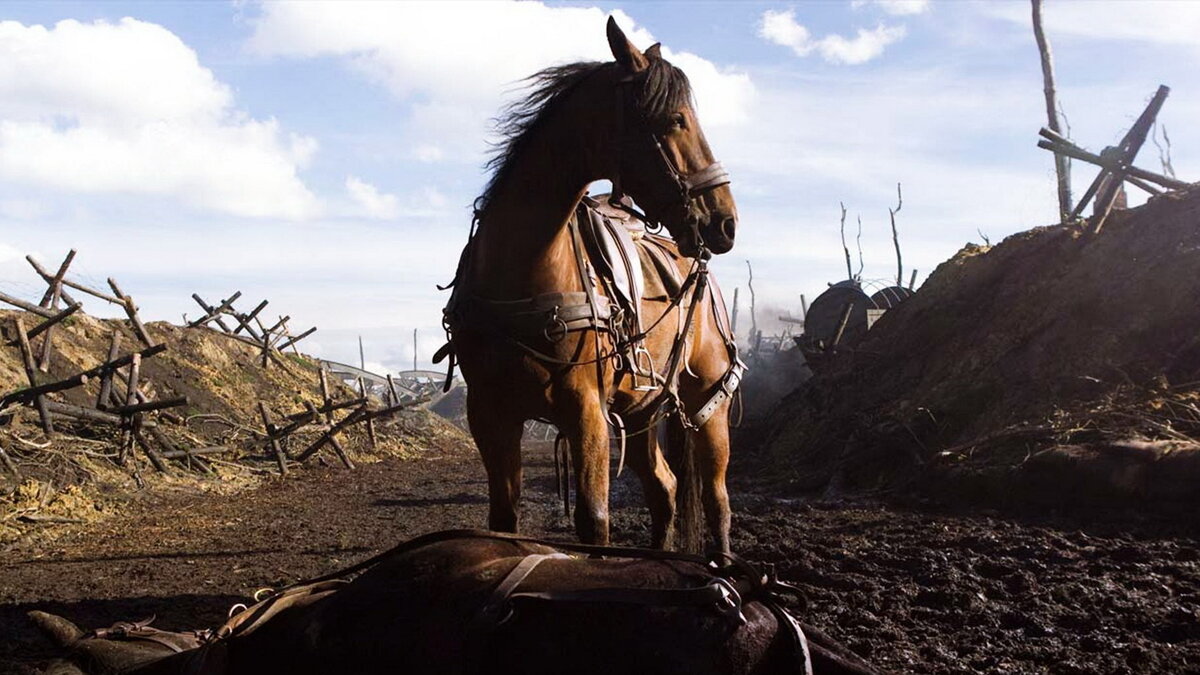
<point>728,583</point>
<point>611,246</point>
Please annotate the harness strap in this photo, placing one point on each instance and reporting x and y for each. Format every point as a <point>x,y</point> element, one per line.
<point>729,385</point>
<point>497,609</point>
<point>718,592</point>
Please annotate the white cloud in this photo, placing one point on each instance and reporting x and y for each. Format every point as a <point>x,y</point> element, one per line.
<point>781,28</point>
<point>895,7</point>
<point>371,202</point>
<point>368,202</point>
<point>1165,22</point>
<point>126,107</point>
<point>468,56</point>
<point>428,153</point>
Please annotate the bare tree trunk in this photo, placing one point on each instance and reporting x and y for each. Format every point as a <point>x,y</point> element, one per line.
<point>849,269</point>
<point>750,285</point>
<point>1062,165</point>
<point>896,236</point>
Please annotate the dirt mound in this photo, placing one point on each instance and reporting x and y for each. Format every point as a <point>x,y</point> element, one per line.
<point>223,381</point>
<point>453,407</point>
<point>1061,364</point>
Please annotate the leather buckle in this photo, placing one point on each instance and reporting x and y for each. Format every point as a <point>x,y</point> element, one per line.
<point>730,603</point>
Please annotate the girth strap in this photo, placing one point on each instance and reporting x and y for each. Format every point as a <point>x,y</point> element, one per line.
<point>496,609</point>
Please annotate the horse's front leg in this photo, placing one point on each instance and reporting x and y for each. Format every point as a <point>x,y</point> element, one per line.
<point>711,445</point>
<point>586,430</point>
<point>498,436</point>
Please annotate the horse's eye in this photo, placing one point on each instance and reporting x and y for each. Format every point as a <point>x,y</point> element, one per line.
<point>677,121</point>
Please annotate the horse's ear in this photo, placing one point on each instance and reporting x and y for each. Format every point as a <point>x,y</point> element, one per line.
<point>623,51</point>
<point>654,52</point>
<point>62,632</point>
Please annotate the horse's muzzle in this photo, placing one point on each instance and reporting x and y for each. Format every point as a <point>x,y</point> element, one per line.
<point>720,233</point>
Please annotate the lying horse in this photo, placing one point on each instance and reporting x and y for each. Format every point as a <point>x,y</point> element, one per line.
<point>470,601</point>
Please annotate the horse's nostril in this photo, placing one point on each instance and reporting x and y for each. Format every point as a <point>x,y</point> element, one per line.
<point>729,227</point>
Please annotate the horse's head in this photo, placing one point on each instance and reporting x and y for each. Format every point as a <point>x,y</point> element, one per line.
<point>664,161</point>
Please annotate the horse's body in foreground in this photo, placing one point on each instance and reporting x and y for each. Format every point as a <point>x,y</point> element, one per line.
<point>538,339</point>
<point>475,602</point>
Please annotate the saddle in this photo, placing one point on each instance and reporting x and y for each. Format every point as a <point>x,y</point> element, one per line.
<point>629,263</point>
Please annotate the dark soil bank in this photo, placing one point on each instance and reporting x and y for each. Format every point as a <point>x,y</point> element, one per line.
<point>911,590</point>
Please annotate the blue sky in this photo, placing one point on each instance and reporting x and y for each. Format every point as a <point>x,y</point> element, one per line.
<point>324,156</point>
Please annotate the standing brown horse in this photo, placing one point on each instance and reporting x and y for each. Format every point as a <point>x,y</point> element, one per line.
<point>531,330</point>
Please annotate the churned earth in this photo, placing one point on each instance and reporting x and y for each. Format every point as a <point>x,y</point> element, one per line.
<point>910,588</point>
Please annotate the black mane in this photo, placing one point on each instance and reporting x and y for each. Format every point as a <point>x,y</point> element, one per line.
<point>661,89</point>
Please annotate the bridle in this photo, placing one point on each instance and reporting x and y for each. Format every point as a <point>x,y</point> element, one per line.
<point>689,186</point>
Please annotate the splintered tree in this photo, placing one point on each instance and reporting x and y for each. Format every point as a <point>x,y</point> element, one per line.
<point>849,268</point>
<point>753,317</point>
<point>1062,165</point>
<point>896,236</point>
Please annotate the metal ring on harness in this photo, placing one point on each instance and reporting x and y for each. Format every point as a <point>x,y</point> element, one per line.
<point>556,329</point>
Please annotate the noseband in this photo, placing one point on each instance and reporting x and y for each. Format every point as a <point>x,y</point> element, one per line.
<point>690,186</point>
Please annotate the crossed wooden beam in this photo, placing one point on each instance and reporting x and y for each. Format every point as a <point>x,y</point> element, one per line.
<point>56,294</point>
<point>124,410</point>
<point>1115,162</point>
<point>271,340</point>
<point>323,417</point>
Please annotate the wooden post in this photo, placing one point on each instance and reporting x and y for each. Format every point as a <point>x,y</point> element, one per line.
<point>837,338</point>
<point>48,323</point>
<point>27,306</point>
<point>131,386</point>
<point>48,278</point>
<point>912,281</point>
<point>244,320</point>
<point>1128,149</point>
<point>29,394</point>
<point>280,458</point>
<point>213,313</point>
<point>330,437</point>
<point>82,413</point>
<point>131,311</point>
<point>323,381</point>
<point>362,391</point>
<point>31,373</point>
<point>56,281</point>
<point>395,398</point>
<point>287,334</point>
<point>159,463</point>
<point>48,340</point>
<point>1062,166</point>
<point>803,307</point>
<point>298,338</point>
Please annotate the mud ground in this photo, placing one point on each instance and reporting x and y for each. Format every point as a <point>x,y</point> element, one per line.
<point>911,588</point>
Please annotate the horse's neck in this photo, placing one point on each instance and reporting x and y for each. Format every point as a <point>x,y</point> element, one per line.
<point>523,246</point>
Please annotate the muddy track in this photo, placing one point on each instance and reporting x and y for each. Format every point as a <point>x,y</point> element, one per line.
<point>913,590</point>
